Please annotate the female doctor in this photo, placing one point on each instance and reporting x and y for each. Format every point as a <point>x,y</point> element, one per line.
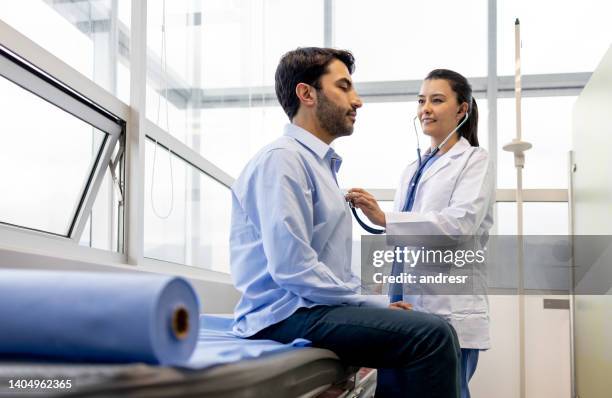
<point>450,192</point>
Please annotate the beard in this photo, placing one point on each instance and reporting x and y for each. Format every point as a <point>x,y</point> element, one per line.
<point>332,117</point>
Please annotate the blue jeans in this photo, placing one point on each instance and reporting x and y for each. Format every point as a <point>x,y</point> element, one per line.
<point>417,354</point>
<point>469,360</point>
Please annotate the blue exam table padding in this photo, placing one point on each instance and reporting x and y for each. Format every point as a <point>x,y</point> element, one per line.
<point>217,345</point>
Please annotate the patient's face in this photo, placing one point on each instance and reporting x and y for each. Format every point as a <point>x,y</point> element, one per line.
<point>437,108</point>
<point>337,100</point>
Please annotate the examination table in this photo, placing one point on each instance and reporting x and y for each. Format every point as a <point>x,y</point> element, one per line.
<point>222,366</point>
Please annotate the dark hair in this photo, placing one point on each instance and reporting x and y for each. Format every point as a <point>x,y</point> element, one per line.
<point>305,65</point>
<point>463,89</point>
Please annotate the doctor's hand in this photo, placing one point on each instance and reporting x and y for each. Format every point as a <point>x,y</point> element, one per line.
<point>400,305</point>
<point>364,200</point>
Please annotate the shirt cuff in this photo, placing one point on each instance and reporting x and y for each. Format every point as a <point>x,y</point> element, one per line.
<point>378,301</point>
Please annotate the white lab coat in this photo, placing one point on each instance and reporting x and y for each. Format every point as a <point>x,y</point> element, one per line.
<point>454,198</point>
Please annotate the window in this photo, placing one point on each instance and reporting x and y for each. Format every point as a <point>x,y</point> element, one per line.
<point>51,161</point>
<point>399,40</point>
<point>231,136</point>
<point>209,89</point>
<point>187,213</point>
<point>98,33</point>
<point>219,52</point>
<point>553,35</point>
<point>99,41</point>
<point>539,218</point>
<point>547,123</point>
<point>44,169</point>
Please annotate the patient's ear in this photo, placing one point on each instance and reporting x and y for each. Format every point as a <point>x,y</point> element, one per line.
<point>306,94</point>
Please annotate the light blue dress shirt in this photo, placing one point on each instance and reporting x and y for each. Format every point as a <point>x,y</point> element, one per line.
<point>291,234</point>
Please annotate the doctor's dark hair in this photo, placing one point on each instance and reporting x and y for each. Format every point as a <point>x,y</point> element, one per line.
<point>305,65</point>
<point>463,89</point>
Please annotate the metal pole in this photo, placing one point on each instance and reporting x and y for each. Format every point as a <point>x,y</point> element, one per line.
<point>135,142</point>
<point>518,147</point>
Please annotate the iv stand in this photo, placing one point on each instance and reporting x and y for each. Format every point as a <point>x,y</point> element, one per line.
<point>518,147</point>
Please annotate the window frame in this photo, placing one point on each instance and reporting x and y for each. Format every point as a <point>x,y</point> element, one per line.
<point>27,74</point>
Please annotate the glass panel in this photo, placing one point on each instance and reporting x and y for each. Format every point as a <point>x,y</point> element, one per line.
<point>103,233</point>
<point>88,26</point>
<point>539,218</point>
<point>232,136</point>
<point>98,38</point>
<point>219,44</point>
<point>547,123</point>
<point>187,213</point>
<point>557,36</point>
<point>384,143</point>
<point>397,40</point>
<point>258,32</point>
<point>45,161</point>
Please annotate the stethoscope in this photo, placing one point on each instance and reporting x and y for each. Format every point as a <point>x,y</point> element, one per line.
<point>417,174</point>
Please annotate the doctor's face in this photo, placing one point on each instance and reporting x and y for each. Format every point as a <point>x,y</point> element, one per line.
<point>438,109</point>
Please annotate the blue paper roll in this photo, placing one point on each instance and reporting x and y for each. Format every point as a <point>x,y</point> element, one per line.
<point>101,317</point>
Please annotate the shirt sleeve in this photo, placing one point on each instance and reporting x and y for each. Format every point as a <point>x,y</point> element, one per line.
<point>282,210</point>
<point>463,216</point>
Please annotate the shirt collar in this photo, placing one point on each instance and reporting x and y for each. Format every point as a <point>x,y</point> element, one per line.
<point>310,141</point>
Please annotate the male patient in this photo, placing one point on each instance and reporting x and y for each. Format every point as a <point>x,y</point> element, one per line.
<point>291,243</point>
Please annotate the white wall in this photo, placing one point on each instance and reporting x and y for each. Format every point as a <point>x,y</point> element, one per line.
<point>547,345</point>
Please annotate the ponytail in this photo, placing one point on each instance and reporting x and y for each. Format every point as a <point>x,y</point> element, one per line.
<point>470,129</point>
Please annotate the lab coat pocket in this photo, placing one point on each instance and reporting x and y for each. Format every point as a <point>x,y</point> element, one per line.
<point>466,305</point>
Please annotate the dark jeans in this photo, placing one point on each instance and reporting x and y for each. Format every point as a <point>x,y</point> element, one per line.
<point>417,354</point>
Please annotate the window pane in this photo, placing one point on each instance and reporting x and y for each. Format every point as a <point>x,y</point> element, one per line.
<point>215,45</point>
<point>242,40</point>
<point>539,218</point>
<point>383,144</point>
<point>397,39</point>
<point>104,232</point>
<point>46,158</point>
<point>187,213</point>
<point>93,38</point>
<point>557,36</point>
<point>232,136</point>
<point>97,40</point>
<point>547,125</point>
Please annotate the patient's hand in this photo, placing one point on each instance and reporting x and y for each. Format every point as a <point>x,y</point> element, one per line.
<point>400,305</point>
